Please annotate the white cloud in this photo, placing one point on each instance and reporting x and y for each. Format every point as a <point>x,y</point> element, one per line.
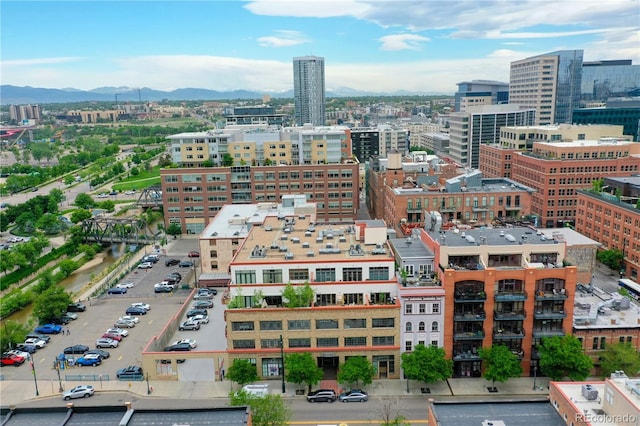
<point>284,38</point>
<point>307,8</point>
<point>402,42</point>
<point>39,61</point>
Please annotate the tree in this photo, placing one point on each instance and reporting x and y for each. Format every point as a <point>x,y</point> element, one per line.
<point>268,410</point>
<point>427,364</point>
<point>620,356</point>
<point>13,332</point>
<point>388,412</point>
<point>227,160</point>
<point>356,369</point>
<point>84,201</point>
<point>564,357</point>
<point>49,223</point>
<point>298,297</point>
<point>51,303</point>
<point>80,215</point>
<point>242,372</point>
<point>611,258</point>
<point>302,368</point>
<point>174,229</point>
<point>500,364</point>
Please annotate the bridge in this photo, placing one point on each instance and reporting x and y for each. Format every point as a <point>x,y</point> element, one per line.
<point>107,230</point>
<point>150,197</point>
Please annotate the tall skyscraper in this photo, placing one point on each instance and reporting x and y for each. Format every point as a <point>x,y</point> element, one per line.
<point>602,80</point>
<point>550,83</point>
<point>308,90</point>
<point>480,92</point>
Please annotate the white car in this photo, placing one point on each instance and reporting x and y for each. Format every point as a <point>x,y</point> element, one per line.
<point>129,192</point>
<point>192,343</point>
<point>103,195</point>
<point>38,343</point>
<point>104,342</point>
<point>200,319</point>
<point>25,355</point>
<point>118,332</point>
<point>141,305</point>
<point>131,318</point>
<point>81,391</point>
<point>124,324</point>
<point>145,265</point>
<point>125,285</point>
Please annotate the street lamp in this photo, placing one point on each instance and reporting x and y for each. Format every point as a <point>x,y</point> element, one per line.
<point>148,387</point>
<point>33,370</point>
<point>535,375</point>
<point>60,388</point>
<point>282,362</point>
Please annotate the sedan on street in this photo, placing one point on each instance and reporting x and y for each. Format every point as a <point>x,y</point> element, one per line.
<point>194,254</point>
<point>80,391</point>
<point>91,360</point>
<point>101,353</point>
<point>117,290</point>
<point>132,310</point>
<point>353,396</point>
<point>12,359</point>
<point>105,342</point>
<point>118,331</point>
<point>189,325</point>
<point>134,320</point>
<point>130,372</point>
<point>142,305</point>
<point>124,324</point>
<point>48,329</point>
<point>39,343</point>
<point>76,349</point>
<point>171,262</point>
<point>145,265</point>
<point>112,336</point>
<point>191,342</point>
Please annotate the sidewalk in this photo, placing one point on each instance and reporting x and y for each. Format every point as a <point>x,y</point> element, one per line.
<point>16,392</point>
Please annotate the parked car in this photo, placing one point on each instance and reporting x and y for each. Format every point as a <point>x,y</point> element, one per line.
<point>30,349</point>
<point>39,336</point>
<point>133,319</point>
<point>80,391</point>
<point>208,290</point>
<point>175,275</point>
<point>185,264</point>
<point>133,310</point>
<point>152,258</point>
<point>171,280</point>
<point>130,372</point>
<point>194,254</point>
<point>39,343</point>
<point>322,395</point>
<point>91,360</point>
<point>192,343</point>
<point>200,319</point>
<point>203,296</point>
<point>69,316</point>
<point>112,336</point>
<point>124,324</point>
<point>194,312</point>
<point>105,342</point>
<point>203,304</point>
<point>48,329</point>
<point>142,305</point>
<point>118,331</point>
<point>353,396</point>
<point>145,265</point>
<point>76,349</point>
<point>117,290</point>
<point>125,285</point>
<point>101,353</point>
<point>19,353</point>
<point>178,347</point>
<point>12,359</point>
<point>76,307</point>
<point>189,325</point>
<point>59,320</point>
<point>162,288</point>
<point>171,262</point>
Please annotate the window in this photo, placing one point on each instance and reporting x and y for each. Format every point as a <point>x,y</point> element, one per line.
<point>379,273</point>
<point>272,276</point>
<point>300,343</point>
<point>242,326</point>
<point>383,340</point>
<point>352,274</point>
<point>323,324</point>
<point>299,324</point>
<point>245,277</point>
<point>408,327</point>
<point>299,274</point>
<point>269,343</point>
<point>271,366</point>
<point>421,326</point>
<point>326,342</point>
<point>383,323</point>
<point>355,341</point>
<point>408,309</point>
<point>244,344</point>
<point>595,343</point>
<point>408,346</point>
<point>435,308</point>
<point>325,274</point>
<point>603,340</point>
<point>434,326</point>
<point>270,325</point>
<point>355,323</point>
<point>422,308</point>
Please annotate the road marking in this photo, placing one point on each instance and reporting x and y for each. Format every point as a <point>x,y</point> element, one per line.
<point>120,358</point>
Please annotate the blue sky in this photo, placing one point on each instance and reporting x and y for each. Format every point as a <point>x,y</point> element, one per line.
<point>377,46</point>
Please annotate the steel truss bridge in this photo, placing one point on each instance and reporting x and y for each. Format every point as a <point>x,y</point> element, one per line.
<point>150,197</point>
<point>106,230</point>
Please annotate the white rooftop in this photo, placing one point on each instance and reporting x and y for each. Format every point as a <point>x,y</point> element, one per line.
<point>599,310</point>
<point>592,142</point>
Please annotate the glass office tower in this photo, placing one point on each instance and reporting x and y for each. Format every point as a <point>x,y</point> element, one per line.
<point>308,90</point>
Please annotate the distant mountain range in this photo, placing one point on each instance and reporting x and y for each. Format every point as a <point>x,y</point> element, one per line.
<point>36,95</point>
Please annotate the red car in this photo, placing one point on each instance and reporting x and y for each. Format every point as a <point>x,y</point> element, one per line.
<point>12,359</point>
<point>194,254</point>
<point>112,336</point>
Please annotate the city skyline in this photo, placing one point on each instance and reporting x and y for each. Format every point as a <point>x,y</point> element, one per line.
<point>375,46</point>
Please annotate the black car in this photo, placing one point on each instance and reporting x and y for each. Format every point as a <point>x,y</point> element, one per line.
<point>134,310</point>
<point>27,348</point>
<point>100,352</point>
<point>175,275</point>
<point>178,347</point>
<point>208,290</point>
<point>38,336</point>
<point>170,279</point>
<point>59,320</point>
<point>203,304</point>
<point>76,349</point>
<point>171,262</point>
<point>76,307</point>
<point>185,264</point>
<point>117,290</point>
<point>131,372</point>
<point>322,395</point>
<point>194,312</point>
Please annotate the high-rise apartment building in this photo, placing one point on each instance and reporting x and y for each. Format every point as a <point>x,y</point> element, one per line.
<point>481,125</point>
<point>602,80</point>
<point>550,83</point>
<point>480,92</point>
<point>308,90</point>
<point>25,112</point>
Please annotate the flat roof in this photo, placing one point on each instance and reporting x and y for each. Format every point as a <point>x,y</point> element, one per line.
<point>494,237</point>
<point>488,185</point>
<point>571,236</point>
<point>592,142</point>
<point>410,248</point>
<point>506,413</point>
<point>599,310</point>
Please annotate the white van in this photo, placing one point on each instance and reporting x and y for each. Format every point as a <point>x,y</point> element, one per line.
<point>257,390</point>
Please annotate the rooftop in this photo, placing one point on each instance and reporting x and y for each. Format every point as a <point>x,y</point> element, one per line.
<point>596,309</point>
<point>497,237</point>
<point>600,142</point>
<point>505,413</point>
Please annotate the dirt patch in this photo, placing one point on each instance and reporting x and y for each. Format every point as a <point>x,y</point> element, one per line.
<point>93,262</point>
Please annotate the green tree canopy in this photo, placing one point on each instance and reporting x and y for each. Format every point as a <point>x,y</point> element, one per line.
<point>268,410</point>
<point>174,229</point>
<point>79,215</point>
<point>298,296</point>
<point>242,372</point>
<point>51,303</point>
<point>500,364</point>
<point>84,201</point>
<point>227,160</point>
<point>302,368</point>
<point>620,356</point>
<point>13,333</point>
<point>427,364</point>
<point>564,357</point>
<point>356,369</point>
<point>611,258</point>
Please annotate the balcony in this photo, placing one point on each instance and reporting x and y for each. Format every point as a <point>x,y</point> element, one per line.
<point>422,281</point>
<point>508,334</point>
<point>416,209</point>
<point>448,209</point>
<point>478,296</point>
<point>511,315</point>
<point>479,316</point>
<point>467,356</point>
<point>512,207</point>
<point>469,335</point>
<point>549,315</point>
<point>510,296</point>
<point>548,332</point>
<point>556,294</point>
<point>480,208</point>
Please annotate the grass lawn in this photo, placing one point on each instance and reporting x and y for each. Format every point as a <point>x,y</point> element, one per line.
<point>143,180</point>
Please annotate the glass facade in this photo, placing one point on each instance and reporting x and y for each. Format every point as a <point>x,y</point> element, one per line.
<point>602,80</point>
<point>568,84</point>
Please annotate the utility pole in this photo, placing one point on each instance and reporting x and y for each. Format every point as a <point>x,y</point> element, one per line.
<point>282,362</point>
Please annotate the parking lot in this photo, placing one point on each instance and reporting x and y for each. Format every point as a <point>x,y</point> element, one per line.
<point>103,311</point>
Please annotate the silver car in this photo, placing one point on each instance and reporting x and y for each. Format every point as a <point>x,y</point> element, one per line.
<point>80,391</point>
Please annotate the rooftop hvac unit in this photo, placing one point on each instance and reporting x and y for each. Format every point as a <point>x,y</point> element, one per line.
<point>310,254</point>
<point>295,240</point>
<point>510,238</point>
<point>589,392</point>
<point>288,256</point>
<point>305,245</point>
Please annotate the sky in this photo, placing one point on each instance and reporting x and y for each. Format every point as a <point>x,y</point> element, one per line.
<point>369,45</point>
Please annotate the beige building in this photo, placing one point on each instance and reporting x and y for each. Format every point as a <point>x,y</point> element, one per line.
<point>522,137</point>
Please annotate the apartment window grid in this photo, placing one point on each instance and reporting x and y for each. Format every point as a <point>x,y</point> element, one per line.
<point>355,341</point>
<point>269,343</point>
<point>383,340</point>
<point>270,325</point>
<point>244,344</point>
<point>299,324</point>
<point>355,323</point>
<point>326,342</point>
<point>303,342</point>
<point>383,323</point>
<point>325,324</point>
<point>242,326</point>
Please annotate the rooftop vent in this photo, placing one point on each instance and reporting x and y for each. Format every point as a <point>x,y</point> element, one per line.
<point>310,254</point>
<point>283,249</point>
<point>307,234</point>
<point>343,239</point>
<point>288,256</point>
<point>379,249</point>
<point>283,237</point>
<point>305,245</point>
<point>295,240</point>
<point>268,228</point>
<point>510,238</point>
